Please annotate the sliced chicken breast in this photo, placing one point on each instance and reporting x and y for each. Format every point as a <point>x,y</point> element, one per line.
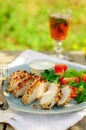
<point>43,86</point>
<point>66,91</point>
<point>17,74</point>
<point>20,89</point>
<point>34,91</point>
<point>51,96</point>
<point>14,82</point>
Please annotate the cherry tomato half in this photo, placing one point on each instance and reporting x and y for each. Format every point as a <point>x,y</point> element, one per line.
<point>73,92</point>
<point>60,68</point>
<point>84,77</point>
<point>69,79</point>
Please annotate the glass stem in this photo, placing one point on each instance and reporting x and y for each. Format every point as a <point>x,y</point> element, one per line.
<point>59,49</point>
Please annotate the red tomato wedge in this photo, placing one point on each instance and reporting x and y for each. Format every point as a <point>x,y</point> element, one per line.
<point>73,92</point>
<point>69,79</point>
<point>60,68</point>
<point>84,77</point>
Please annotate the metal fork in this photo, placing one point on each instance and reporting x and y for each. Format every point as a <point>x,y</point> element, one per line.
<point>3,80</point>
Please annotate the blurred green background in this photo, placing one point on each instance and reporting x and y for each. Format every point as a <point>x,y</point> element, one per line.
<point>24,24</point>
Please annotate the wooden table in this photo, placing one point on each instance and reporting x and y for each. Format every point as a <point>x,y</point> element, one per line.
<point>78,57</point>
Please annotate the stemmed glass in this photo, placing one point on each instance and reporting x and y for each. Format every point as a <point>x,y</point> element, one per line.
<point>59,25</point>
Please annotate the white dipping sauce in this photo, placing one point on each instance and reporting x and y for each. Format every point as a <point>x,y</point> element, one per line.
<point>40,65</point>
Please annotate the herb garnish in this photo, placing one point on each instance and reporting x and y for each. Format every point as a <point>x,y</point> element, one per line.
<point>50,75</point>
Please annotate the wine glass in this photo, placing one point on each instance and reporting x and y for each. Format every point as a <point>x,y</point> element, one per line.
<point>59,25</point>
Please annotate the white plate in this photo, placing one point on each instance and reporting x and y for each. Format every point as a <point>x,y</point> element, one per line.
<point>16,103</point>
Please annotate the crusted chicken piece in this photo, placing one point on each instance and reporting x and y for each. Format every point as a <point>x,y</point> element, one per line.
<point>15,81</point>
<point>51,96</point>
<point>22,86</point>
<point>17,74</point>
<point>43,87</point>
<point>66,96</point>
<point>34,91</point>
<point>20,89</point>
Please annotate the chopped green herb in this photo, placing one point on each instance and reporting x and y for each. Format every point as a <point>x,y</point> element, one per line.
<point>50,75</point>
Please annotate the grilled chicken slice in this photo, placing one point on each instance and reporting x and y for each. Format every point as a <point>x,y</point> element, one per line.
<point>15,81</point>
<point>20,89</point>
<point>34,91</point>
<point>66,91</point>
<point>17,74</point>
<point>51,96</point>
<point>22,86</point>
<point>43,86</point>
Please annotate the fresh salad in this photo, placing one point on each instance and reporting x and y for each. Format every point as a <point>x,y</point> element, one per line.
<point>64,75</point>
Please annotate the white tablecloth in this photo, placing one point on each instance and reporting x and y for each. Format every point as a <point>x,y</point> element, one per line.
<point>28,121</point>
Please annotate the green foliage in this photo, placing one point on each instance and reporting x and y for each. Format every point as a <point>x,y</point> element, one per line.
<point>24,24</point>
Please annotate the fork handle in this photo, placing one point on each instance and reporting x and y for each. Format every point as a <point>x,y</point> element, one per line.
<point>1,99</point>
<point>3,102</point>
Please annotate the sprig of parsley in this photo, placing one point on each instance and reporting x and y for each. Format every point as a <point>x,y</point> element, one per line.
<point>50,75</point>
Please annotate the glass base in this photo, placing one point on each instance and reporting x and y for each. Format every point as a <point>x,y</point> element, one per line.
<point>64,57</point>
<point>60,54</point>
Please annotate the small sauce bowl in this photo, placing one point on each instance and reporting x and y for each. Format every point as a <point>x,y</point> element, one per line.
<point>39,65</point>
